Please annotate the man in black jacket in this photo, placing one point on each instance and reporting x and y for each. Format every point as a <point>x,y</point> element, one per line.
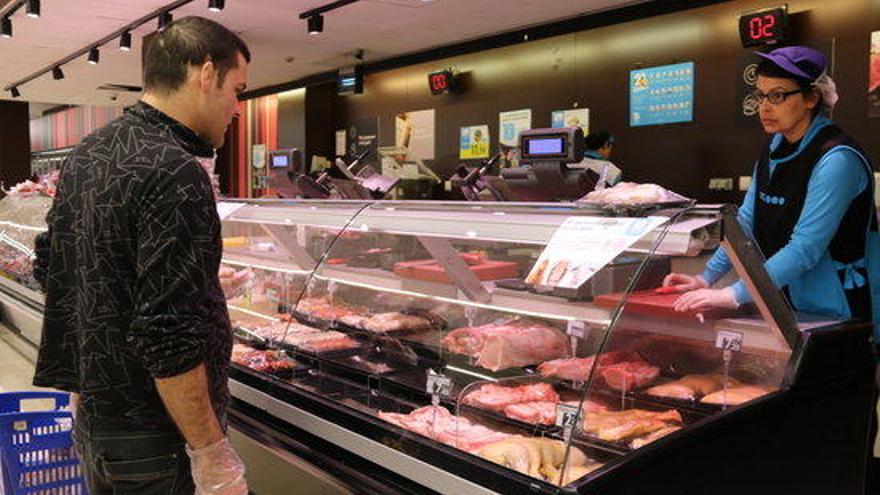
<point>135,323</point>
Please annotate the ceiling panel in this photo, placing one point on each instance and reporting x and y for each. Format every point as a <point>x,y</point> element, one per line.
<point>272,29</point>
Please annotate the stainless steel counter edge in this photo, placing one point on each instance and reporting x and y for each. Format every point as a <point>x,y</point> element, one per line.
<point>421,472</point>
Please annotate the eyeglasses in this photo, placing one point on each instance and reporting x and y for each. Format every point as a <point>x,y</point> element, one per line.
<point>775,97</point>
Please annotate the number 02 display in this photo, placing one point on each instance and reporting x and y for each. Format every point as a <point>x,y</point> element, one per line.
<point>767,27</point>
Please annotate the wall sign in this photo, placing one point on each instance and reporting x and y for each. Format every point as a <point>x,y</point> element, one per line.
<point>474,142</point>
<point>661,95</point>
<point>874,77</point>
<point>576,117</point>
<point>510,124</point>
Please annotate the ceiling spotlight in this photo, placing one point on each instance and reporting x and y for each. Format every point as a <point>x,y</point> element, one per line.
<point>125,41</point>
<point>216,5</point>
<point>57,73</point>
<point>6,27</point>
<point>33,8</point>
<point>316,24</point>
<point>165,19</point>
<point>14,91</point>
<point>94,55</point>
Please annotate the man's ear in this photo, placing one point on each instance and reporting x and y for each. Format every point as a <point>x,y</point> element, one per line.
<point>207,76</point>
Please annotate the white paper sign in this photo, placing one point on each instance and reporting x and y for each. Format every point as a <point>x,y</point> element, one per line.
<point>510,124</point>
<point>566,415</point>
<point>224,209</point>
<point>728,341</point>
<point>340,142</point>
<point>581,246</point>
<point>438,384</point>
<point>578,117</point>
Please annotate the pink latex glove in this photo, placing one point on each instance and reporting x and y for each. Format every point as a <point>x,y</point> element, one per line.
<point>684,283</point>
<point>703,299</point>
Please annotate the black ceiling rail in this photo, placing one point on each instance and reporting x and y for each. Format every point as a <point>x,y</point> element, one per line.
<point>326,8</point>
<point>11,8</point>
<point>103,41</point>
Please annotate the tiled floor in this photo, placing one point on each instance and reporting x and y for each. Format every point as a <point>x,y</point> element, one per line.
<point>17,370</point>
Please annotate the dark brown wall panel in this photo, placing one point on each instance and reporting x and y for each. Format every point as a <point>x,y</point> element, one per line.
<point>591,68</point>
<point>15,147</point>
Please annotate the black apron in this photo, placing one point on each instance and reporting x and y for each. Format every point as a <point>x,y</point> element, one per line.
<point>780,199</point>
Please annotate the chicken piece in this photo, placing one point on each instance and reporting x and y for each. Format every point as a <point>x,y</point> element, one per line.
<point>673,390</point>
<point>641,442</point>
<point>574,473</point>
<point>736,395</point>
<point>614,426</point>
<point>515,453</point>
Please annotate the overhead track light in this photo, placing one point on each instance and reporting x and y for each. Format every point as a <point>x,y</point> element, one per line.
<point>165,19</point>
<point>216,5</point>
<point>57,73</point>
<point>94,56</point>
<point>125,41</point>
<point>6,27</point>
<point>316,24</point>
<point>14,91</point>
<point>33,8</point>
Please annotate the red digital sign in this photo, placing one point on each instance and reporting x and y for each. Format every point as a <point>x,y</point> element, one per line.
<point>766,27</point>
<point>440,82</point>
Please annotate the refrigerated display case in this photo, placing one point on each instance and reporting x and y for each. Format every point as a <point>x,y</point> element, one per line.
<point>522,348</point>
<point>22,217</point>
<point>420,347</point>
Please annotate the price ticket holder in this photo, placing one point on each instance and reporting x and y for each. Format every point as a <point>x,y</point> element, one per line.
<point>545,174</point>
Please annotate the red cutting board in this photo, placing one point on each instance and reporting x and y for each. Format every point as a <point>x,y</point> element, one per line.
<point>433,272</point>
<point>651,303</point>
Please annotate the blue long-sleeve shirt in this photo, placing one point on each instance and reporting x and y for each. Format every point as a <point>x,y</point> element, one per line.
<point>836,180</point>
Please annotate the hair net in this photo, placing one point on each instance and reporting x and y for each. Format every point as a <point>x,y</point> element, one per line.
<point>826,87</point>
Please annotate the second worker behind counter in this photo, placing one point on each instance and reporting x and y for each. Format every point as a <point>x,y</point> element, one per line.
<point>598,158</point>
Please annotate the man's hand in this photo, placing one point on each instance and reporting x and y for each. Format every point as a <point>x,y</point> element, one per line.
<point>217,470</point>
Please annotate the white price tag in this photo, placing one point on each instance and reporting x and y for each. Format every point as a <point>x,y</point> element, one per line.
<point>438,384</point>
<point>728,341</point>
<point>566,416</point>
<point>224,209</point>
<point>577,328</point>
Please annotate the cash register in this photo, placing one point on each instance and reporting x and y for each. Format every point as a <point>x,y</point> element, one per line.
<point>545,173</point>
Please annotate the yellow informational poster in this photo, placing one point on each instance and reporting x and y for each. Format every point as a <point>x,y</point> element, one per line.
<point>474,142</point>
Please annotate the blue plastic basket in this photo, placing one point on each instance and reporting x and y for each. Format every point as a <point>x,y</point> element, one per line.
<point>36,448</point>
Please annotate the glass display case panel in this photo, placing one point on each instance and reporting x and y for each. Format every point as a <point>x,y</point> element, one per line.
<point>270,250</point>
<point>21,219</point>
<point>443,304</point>
<point>660,369</point>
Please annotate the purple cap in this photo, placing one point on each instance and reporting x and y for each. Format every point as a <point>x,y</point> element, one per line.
<point>800,61</point>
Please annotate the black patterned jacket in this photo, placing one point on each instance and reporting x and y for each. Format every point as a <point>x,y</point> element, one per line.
<point>130,262</point>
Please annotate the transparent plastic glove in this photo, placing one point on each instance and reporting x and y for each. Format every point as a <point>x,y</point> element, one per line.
<point>703,299</point>
<point>684,283</point>
<point>217,470</point>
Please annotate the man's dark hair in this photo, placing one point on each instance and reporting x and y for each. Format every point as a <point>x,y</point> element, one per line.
<point>190,41</point>
<point>598,139</point>
<point>767,68</point>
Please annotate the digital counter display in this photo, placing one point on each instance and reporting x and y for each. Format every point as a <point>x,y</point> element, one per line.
<point>767,27</point>
<point>549,146</point>
<point>280,161</point>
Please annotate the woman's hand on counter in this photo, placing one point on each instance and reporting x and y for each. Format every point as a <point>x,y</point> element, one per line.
<point>684,283</point>
<point>703,299</point>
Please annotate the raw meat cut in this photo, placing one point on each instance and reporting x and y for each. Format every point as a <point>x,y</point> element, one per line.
<point>388,322</point>
<point>500,346</point>
<point>613,426</point>
<point>496,397</point>
<point>271,362</point>
<point>320,307</point>
<point>690,387</point>
<point>578,369</point>
<point>620,370</point>
<point>629,375</point>
<point>542,412</point>
<point>736,395</point>
<point>439,424</point>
